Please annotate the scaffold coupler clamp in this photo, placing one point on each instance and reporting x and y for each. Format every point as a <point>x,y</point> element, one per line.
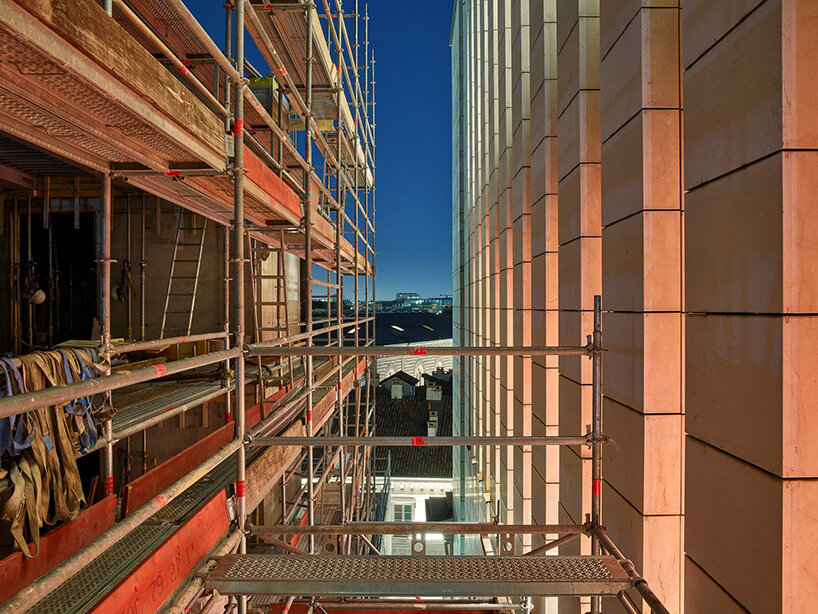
<point>526,605</point>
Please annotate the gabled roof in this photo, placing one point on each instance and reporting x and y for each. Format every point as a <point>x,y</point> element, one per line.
<point>409,417</point>
<point>429,377</point>
<point>412,381</point>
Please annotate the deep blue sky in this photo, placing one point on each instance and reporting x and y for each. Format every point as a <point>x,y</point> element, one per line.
<point>413,114</point>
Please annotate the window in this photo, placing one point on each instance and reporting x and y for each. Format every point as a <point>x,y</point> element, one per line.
<point>403,512</point>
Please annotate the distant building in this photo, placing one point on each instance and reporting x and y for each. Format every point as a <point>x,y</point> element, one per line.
<point>412,329</point>
<point>400,385</point>
<point>407,296</point>
<point>421,478</point>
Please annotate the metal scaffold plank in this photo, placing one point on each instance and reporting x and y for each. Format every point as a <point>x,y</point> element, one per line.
<point>410,576</point>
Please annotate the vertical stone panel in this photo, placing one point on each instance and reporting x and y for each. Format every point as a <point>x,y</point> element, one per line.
<point>750,222</point>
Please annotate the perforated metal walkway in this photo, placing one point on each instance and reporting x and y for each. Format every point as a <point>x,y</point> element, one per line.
<point>410,576</point>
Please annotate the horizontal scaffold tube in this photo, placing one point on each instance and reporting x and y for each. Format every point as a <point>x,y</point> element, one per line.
<point>49,582</point>
<point>263,349</point>
<point>409,528</point>
<point>420,441</point>
<point>58,395</point>
<point>162,343</point>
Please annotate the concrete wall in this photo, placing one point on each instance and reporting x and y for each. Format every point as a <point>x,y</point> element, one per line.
<point>578,176</point>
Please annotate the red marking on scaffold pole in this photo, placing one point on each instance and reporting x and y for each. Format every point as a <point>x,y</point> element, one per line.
<point>339,385</point>
<point>184,70</point>
<point>169,409</point>
<point>238,127</point>
<point>109,485</point>
<point>309,415</point>
<point>160,370</point>
<point>283,70</point>
<point>161,501</point>
<point>228,418</point>
<point>240,488</point>
<point>418,351</point>
<point>597,487</point>
<point>171,174</point>
<point>418,441</point>
<point>182,340</point>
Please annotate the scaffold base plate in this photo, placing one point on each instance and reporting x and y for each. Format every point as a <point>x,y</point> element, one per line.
<point>410,576</point>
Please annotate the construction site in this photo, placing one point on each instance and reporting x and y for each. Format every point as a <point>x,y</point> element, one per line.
<point>190,395</point>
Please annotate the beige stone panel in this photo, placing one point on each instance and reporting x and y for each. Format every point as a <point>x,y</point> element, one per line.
<point>800,232</point>
<point>800,532</point>
<point>522,234</point>
<point>800,48</point>
<point>545,217</point>
<point>726,501</point>
<point>615,15</point>
<point>641,70</point>
<point>733,248</point>
<point>574,327</point>
<point>733,99</point>
<point>644,463</point>
<point>545,393</point>
<point>704,22</point>
<point>733,385</point>
<point>539,510</point>
<point>544,288</point>
<point>750,388</point>
<point>544,168</point>
<point>578,61</point>
<point>538,226</point>
<point>522,141</point>
<point>580,273</point>
<point>567,16</point>
<point>641,166</point>
<point>704,595</point>
<point>575,484</point>
<point>579,136</point>
<point>580,199</point>
<point>545,459</point>
<point>643,365</point>
<point>642,263</point>
<point>800,389</point>
<point>653,543</point>
<point>574,411</point>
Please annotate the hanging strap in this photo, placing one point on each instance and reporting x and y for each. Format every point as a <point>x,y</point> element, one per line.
<point>21,427</point>
<point>80,408</point>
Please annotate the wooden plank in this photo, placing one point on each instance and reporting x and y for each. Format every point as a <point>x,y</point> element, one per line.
<point>88,27</point>
<point>270,466</point>
<point>146,487</point>
<point>264,177</point>
<point>146,588</point>
<point>17,572</point>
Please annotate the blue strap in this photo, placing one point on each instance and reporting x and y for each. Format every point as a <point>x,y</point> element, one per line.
<point>19,440</point>
<point>5,423</point>
<point>81,407</point>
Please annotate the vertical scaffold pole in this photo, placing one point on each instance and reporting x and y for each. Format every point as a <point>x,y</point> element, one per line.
<point>339,234</point>
<point>143,264</point>
<point>105,317</point>
<point>596,432</point>
<point>308,257</point>
<point>238,278</point>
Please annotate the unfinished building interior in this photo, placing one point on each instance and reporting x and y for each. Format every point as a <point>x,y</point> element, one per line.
<point>661,154</point>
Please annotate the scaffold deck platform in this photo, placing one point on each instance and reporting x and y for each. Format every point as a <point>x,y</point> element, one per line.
<point>410,576</point>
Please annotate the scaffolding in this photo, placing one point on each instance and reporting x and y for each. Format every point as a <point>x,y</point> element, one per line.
<point>321,420</point>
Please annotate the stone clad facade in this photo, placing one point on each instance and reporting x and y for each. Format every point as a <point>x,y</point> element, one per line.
<point>660,153</point>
